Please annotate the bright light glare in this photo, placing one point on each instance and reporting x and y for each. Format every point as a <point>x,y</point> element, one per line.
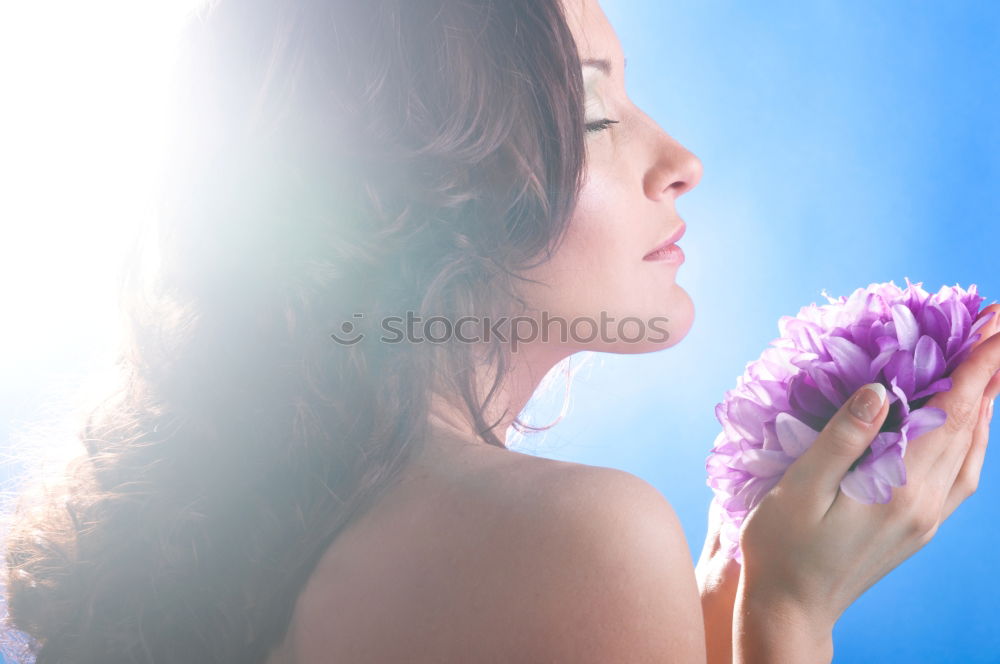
<point>80,131</point>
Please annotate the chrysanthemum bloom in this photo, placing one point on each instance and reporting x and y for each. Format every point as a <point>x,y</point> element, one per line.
<point>906,339</point>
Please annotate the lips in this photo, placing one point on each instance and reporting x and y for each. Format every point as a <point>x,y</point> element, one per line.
<point>674,237</point>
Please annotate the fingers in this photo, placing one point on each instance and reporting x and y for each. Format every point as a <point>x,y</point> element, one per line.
<point>816,474</point>
<point>971,381</point>
<point>967,480</point>
<point>993,388</point>
<point>991,328</point>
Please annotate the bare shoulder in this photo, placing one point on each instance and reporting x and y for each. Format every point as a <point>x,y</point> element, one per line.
<point>613,576</point>
<point>512,558</point>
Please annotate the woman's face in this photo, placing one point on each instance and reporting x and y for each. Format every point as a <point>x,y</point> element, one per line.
<point>635,172</point>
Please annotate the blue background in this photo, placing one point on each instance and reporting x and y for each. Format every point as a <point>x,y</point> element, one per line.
<point>843,144</point>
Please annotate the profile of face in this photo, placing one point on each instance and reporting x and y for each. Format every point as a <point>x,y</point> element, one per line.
<point>635,172</point>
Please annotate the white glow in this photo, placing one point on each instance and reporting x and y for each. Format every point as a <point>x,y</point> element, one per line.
<point>82,92</point>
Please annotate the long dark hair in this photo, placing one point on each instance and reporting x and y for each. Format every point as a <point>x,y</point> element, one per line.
<point>331,161</point>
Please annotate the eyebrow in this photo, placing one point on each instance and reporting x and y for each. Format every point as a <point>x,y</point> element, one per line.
<point>600,63</point>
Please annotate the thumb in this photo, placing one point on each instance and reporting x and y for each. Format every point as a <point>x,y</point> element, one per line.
<point>991,327</point>
<point>818,471</point>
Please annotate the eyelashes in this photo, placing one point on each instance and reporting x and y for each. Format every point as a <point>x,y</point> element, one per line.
<point>600,125</point>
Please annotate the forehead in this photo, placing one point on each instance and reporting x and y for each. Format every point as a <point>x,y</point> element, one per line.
<point>595,38</point>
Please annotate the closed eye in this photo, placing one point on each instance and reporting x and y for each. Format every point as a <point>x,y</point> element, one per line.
<point>600,125</point>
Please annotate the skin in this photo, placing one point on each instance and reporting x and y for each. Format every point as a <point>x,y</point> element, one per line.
<point>634,174</point>
<point>461,495</point>
<point>810,551</point>
<point>448,556</point>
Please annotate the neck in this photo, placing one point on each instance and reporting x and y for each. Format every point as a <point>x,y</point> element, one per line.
<point>528,367</point>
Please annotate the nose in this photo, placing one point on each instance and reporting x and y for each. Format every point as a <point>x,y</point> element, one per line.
<point>673,169</point>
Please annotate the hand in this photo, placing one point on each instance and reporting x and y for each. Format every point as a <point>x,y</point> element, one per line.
<point>718,579</point>
<point>810,551</point>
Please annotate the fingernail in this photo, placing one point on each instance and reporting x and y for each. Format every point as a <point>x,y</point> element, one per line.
<point>989,411</point>
<point>868,402</point>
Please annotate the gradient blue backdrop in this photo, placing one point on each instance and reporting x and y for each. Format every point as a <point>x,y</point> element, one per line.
<point>843,143</point>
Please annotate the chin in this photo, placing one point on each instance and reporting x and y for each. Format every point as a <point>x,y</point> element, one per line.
<point>667,328</point>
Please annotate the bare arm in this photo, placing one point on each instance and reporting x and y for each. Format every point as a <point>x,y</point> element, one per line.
<point>718,580</point>
<point>765,633</point>
<point>737,629</point>
<point>745,629</point>
<point>622,587</point>
<point>809,550</point>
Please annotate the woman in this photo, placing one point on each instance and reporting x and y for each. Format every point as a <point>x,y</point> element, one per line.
<point>292,472</point>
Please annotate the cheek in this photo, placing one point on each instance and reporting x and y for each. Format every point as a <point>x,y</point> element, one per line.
<point>598,267</point>
<point>592,267</point>
<point>604,240</point>
<point>601,232</point>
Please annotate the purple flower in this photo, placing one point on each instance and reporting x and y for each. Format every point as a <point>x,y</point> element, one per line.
<point>906,339</point>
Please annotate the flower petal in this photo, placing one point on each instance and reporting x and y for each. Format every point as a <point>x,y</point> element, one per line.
<point>908,339</point>
<point>889,467</point>
<point>825,384</point>
<point>934,323</point>
<point>887,347</point>
<point>940,385</point>
<point>900,368</point>
<point>906,326</point>
<point>928,362</point>
<point>852,362</point>
<point>771,442</point>
<point>923,420</point>
<point>795,436</point>
<point>883,441</point>
<point>961,323</point>
<point>860,486</point>
<point>900,396</point>
<point>806,398</point>
<point>748,418</point>
<point>765,463</point>
<point>981,322</point>
<point>770,393</point>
